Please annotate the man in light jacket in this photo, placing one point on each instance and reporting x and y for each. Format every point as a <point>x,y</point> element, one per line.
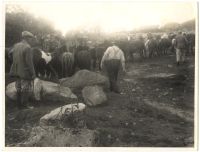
<point>111,60</point>
<point>181,47</point>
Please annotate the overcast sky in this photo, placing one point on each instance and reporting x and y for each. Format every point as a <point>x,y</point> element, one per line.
<point>111,16</point>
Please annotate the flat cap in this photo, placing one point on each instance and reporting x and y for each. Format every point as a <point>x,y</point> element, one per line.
<point>27,34</point>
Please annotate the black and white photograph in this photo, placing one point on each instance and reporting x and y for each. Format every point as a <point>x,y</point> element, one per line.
<point>100,74</point>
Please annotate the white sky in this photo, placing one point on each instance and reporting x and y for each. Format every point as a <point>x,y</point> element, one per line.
<point>111,16</point>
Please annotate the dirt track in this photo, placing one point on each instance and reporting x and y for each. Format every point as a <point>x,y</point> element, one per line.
<point>155,108</point>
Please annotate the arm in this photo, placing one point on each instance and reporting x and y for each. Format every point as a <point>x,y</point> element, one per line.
<point>29,62</point>
<point>104,57</point>
<point>122,59</point>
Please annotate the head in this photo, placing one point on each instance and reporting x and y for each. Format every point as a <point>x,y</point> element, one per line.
<point>29,38</point>
<point>113,43</point>
<point>149,36</point>
<point>179,32</point>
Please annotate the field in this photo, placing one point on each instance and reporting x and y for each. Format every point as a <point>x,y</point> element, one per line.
<point>155,108</point>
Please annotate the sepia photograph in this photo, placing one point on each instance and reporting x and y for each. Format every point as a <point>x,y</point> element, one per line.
<point>100,74</point>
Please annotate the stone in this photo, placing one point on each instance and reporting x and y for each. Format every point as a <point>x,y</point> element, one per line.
<point>51,136</point>
<point>94,95</point>
<point>43,90</point>
<point>61,112</point>
<point>84,78</point>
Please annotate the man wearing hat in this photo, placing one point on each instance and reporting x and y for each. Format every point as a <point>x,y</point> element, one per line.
<point>23,68</point>
<point>112,59</point>
<point>180,44</point>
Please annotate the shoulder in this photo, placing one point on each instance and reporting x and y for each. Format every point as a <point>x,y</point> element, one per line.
<point>26,45</point>
<point>108,49</point>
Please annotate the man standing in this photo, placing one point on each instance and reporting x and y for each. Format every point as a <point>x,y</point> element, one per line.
<point>23,68</point>
<point>180,46</point>
<point>111,60</point>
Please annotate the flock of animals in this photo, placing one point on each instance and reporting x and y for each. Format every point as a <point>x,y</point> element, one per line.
<point>63,62</point>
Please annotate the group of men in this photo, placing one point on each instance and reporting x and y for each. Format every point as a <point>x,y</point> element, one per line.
<point>23,68</point>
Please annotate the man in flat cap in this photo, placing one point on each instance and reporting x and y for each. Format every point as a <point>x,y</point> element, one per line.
<point>23,69</point>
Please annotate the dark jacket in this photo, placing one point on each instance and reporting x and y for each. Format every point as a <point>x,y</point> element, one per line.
<point>22,66</point>
<point>181,42</point>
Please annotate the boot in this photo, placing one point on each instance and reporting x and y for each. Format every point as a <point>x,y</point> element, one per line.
<point>24,101</point>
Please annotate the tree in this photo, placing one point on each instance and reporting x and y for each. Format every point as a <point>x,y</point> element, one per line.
<point>18,20</point>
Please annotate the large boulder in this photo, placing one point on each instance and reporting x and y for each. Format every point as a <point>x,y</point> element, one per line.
<point>94,95</point>
<point>43,90</point>
<point>51,136</point>
<point>84,78</point>
<point>61,112</point>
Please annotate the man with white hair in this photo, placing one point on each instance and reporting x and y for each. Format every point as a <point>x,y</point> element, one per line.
<point>23,68</point>
<point>111,60</point>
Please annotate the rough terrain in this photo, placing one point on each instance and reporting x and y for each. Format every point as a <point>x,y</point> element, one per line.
<point>155,109</point>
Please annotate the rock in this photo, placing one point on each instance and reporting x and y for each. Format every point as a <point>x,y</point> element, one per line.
<point>169,66</point>
<point>94,95</point>
<point>165,93</point>
<point>43,89</point>
<point>84,78</point>
<point>11,91</point>
<point>58,113</point>
<point>133,90</point>
<point>109,136</point>
<point>50,136</point>
<point>110,117</point>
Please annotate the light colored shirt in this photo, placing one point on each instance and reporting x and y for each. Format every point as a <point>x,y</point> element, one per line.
<point>114,52</point>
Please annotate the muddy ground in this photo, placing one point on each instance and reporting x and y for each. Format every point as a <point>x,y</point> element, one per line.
<point>155,108</point>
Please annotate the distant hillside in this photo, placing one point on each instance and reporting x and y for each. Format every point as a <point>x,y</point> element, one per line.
<point>188,25</point>
<point>170,26</point>
<point>173,26</point>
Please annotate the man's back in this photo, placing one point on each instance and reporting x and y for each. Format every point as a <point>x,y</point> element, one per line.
<point>21,58</point>
<point>181,42</point>
<point>114,52</point>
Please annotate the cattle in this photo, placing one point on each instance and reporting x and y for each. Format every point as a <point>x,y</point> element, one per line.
<point>99,51</point>
<point>83,60</point>
<point>136,46</point>
<point>191,43</point>
<point>151,48</point>
<point>60,61</point>
<point>42,63</point>
<point>164,45</point>
<point>67,64</point>
<point>93,57</point>
<point>124,46</point>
